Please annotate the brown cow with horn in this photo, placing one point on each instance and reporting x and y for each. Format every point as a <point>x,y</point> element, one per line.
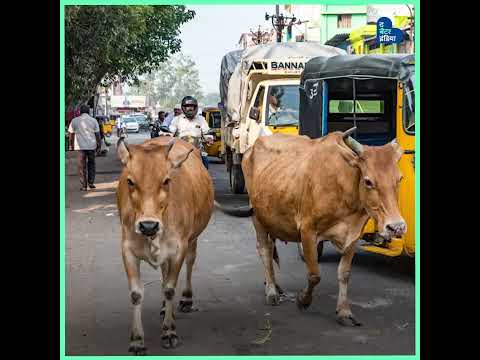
<point>307,191</point>
<point>165,201</point>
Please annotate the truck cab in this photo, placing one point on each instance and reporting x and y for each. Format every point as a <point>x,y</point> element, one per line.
<point>259,91</point>
<point>270,104</point>
<point>274,108</point>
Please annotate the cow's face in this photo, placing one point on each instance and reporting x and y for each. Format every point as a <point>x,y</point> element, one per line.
<point>378,186</point>
<point>148,176</point>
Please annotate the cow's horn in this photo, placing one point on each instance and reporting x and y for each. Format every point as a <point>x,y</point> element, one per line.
<point>354,145</point>
<point>349,132</point>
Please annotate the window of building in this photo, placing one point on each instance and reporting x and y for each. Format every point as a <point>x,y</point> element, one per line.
<point>344,21</point>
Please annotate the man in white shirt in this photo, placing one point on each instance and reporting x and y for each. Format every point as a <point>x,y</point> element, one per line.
<point>189,123</point>
<point>176,111</point>
<point>84,137</point>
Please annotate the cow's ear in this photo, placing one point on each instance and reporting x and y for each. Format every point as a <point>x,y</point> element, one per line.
<point>397,148</point>
<point>350,157</point>
<point>177,158</point>
<point>123,152</point>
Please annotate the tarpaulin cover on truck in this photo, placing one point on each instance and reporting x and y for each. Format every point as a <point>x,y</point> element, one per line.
<point>232,99</point>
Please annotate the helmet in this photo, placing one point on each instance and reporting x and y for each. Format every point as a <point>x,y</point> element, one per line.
<point>190,100</point>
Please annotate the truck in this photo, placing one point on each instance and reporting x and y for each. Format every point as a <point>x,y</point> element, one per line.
<point>259,94</point>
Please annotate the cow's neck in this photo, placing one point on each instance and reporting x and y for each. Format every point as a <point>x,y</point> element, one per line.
<point>159,248</point>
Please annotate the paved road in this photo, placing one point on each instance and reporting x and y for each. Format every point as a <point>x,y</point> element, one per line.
<point>228,288</point>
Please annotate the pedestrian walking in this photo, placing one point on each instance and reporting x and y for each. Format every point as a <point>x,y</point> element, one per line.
<point>84,135</point>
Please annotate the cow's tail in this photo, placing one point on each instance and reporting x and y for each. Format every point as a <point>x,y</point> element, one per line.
<point>242,211</point>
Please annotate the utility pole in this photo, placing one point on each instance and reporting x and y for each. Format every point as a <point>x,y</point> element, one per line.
<point>258,37</point>
<point>279,22</point>
<point>106,95</point>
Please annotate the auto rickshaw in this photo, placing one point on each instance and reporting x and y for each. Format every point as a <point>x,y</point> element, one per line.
<point>213,117</point>
<point>113,120</point>
<point>105,124</point>
<point>375,93</point>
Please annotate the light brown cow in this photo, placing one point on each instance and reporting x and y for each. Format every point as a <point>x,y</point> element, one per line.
<point>304,190</point>
<point>165,200</point>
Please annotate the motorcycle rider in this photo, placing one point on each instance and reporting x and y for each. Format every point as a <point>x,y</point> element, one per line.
<point>155,125</point>
<point>189,123</point>
<point>161,117</point>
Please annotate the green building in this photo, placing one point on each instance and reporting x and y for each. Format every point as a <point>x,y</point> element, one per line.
<point>340,19</point>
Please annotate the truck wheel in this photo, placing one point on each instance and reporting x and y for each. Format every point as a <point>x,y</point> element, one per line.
<point>228,160</point>
<point>237,182</point>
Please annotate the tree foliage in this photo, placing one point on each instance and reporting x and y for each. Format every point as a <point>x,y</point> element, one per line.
<point>211,99</point>
<point>117,43</point>
<point>175,78</point>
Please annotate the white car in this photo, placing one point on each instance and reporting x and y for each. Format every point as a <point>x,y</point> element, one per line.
<point>131,124</point>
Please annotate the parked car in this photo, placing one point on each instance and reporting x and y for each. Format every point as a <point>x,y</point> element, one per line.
<point>142,121</point>
<point>131,124</point>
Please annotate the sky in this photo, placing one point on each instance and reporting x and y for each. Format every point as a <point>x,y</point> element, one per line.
<point>216,30</point>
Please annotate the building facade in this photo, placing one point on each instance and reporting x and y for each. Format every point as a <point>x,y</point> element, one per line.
<point>340,19</point>
<point>363,40</point>
<point>350,27</point>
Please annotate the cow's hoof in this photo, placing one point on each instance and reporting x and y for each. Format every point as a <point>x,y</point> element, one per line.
<point>348,320</point>
<point>303,300</point>
<point>170,341</point>
<point>185,306</point>
<point>273,299</point>
<point>279,289</point>
<point>138,350</point>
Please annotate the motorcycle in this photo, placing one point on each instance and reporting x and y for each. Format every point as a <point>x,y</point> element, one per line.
<point>199,143</point>
<point>157,130</point>
<point>123,132</point>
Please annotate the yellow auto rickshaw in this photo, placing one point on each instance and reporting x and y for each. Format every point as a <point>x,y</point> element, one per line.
<point>105,126</point>
<point>375,93</point>
<point>213,118</point>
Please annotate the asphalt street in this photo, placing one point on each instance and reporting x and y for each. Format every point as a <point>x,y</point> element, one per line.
<point>228,287</point>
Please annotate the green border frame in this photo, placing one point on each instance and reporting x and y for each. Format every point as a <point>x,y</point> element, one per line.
<point>416,3</point>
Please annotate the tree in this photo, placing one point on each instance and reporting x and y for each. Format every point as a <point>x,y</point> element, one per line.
<point>211,99</point>
<point>175,78</point>
<point>117,43</point>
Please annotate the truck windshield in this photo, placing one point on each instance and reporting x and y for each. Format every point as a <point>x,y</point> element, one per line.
<point>283,105</point>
